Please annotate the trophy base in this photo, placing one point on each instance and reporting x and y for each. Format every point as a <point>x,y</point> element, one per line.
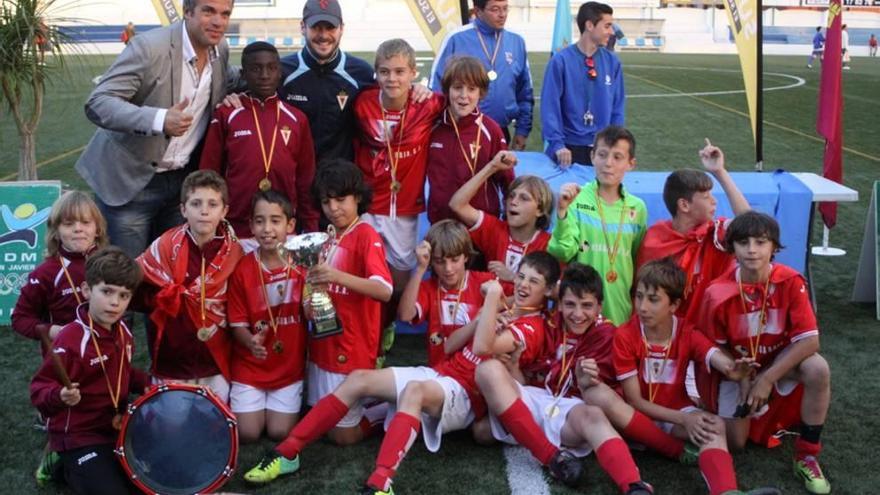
<point>326,327</point>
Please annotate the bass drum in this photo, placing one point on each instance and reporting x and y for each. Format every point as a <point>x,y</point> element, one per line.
<point>178,439</point>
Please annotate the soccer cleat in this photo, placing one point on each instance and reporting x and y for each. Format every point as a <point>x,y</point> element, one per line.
<point>368,490</point>
<point>49,469</point>
<point>565,467</point>
<point>640,488</point>
<point>809,66</point>
<point>271,466</point>
<point>690,455</point>
<point>807,468</point>
<point>388,334</point>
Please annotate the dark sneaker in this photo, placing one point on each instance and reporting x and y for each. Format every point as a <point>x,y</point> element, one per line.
<point>640,488</point>
<point>565,467</point>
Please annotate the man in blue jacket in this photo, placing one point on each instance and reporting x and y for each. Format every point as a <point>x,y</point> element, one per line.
<point>504,56</point>
<point>583,89</point>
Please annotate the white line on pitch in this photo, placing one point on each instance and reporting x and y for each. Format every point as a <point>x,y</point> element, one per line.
<point>524,474</point>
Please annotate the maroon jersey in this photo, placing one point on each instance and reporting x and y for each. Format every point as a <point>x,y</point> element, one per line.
<point>90,421</point>
<point>448,310</point>
<point>49,297</point>
<point>408,132</point>
<point>554,369</point>
<point>232,148</point>
<point>247,307</point>
<point>450,160</point>
<point>661,371</point>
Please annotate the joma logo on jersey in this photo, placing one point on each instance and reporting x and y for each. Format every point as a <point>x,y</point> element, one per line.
<point>98,360</point>
<point>241,133</point>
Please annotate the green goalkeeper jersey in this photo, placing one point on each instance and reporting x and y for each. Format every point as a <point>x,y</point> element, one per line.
<point>580,237</point>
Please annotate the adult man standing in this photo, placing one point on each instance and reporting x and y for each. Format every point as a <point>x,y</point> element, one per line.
<point>583,89</point>
<point>504,56</point>
<point>152,106</point>
<point>323,81</point>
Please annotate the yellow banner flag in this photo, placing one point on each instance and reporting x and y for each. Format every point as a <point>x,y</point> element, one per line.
<point>169,11</point>
<point>742,16</point>
<point>436,18</point>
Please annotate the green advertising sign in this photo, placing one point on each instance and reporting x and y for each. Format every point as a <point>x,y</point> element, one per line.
<point>24,207</point>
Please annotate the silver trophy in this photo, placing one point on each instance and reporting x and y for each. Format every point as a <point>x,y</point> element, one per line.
<point>305,250</point>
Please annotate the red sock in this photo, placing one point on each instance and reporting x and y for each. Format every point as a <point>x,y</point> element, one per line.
<point>402,432</point>
<point>803,448</point>
<point>614,457</point>
<point>518,420</point>
<point>321,419</point>
<point>643,430</point>
<point>717,468</point>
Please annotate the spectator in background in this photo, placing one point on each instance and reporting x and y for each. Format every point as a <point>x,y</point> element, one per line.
<point>127,33</point>
<point>872,46</point>
<point>818,47</point>
<point>844,46</point>
<point>504,56</point>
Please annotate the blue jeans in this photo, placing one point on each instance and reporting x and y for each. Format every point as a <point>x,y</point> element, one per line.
<point>134,225</point>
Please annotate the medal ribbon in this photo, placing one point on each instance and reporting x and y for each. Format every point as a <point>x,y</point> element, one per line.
<point>202,297</point>
<point>272,321</point>
<point>612,254</point>
<point>754,343</point>
<point>652,377</point>
<point>471,160</point>
<point>486,49</point>
<point>393,157</point>
<point>114,396</point>
<point>69,280</point>
<point>267,162</point>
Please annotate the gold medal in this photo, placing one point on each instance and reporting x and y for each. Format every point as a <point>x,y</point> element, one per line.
<point>204,334</point>
<point>116,422</point>
<point>278,347</point>
<point>265,184</point>
<point>611,276</point>
<point>395,186</point>
<point>492,75</point>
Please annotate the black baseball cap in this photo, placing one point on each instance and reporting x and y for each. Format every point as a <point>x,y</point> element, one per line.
<point>316,11</point>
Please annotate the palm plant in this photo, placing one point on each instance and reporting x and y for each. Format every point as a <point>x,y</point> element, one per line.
<point>30,55</point>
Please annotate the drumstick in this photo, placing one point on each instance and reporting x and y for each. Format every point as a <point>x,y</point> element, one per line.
<point>56,361</point>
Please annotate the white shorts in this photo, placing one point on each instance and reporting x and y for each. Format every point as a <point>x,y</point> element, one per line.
<point>728,394</point>
<point>322,382</point>
<point>216,383</point>
<point>456,414</point>
<point>246,399</point>
<point>667,427</point>
<point>399,237</point>
<point>551,419</point>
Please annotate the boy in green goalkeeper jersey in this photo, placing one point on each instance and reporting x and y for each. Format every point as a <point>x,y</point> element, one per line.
<point>600,224</point>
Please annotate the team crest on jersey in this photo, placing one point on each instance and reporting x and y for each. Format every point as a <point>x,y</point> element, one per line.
<point>385,129</point>
<point>585,246</point>
<point>285,133</point>
<point>475,150</point>
<point>632,213</point>
<point>436,338</point>
<point>342,99</point>
<point>509,57</point>
<point>607,80</point>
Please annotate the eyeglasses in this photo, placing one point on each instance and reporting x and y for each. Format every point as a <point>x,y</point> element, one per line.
<point>497,10</point>
<point>591,68</point>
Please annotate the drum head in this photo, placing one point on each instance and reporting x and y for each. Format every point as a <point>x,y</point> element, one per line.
<point>178,442</point>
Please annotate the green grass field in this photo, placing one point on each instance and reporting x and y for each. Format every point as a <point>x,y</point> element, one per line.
<point>670,130</point>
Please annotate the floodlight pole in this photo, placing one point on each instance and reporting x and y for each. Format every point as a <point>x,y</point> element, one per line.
<point>759,107</point>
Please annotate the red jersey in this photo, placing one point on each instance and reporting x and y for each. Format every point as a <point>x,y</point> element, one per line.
<point>90,421</point>
<point>448,310</point>
<point>247,308</point>
<point>492,237</point>
<point>233,149</point>
<point>700,253</point>
<point>49,297</point>
<point>528,330</point>
<point>450,160</point>
<point>661,370</point>
<point>361,253</point>
<point>733,320</point>
<point>408,132</point>
<point>554,369</point>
